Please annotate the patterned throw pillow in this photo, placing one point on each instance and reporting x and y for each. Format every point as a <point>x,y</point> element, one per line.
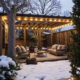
<point>23,49</point>
<point>59,47</point>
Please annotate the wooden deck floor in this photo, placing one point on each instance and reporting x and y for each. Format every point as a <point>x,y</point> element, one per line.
<point>49,57</point>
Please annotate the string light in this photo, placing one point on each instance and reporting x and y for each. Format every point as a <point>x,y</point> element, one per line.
<point>59,20</point>
<point>25,19</point>
<point>17,28</point>
<point>31,19</point>
<point>21,28</point>
<point>5,18</point>
<point>55,20</point>
<point>36,19</point>
<point>40,19</point>
<point>19,18</point>
<point>26,28</point>
<point>50,19</point>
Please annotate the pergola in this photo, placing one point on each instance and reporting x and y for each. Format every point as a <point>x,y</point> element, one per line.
<point>28,21</point>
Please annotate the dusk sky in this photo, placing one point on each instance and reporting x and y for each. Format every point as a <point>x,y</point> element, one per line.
<point>66,5</point>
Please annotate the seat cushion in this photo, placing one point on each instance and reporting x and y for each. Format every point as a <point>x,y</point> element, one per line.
<point>59,47</point>
<point>52,50</point>
<point>23,49</point>
<point>18,49</point>
<point>24,55</point>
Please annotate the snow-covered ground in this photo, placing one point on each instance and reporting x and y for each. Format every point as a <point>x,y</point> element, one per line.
<point>47,70</point>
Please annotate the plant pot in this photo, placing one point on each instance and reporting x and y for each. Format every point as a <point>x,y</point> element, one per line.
<point>31,49</point>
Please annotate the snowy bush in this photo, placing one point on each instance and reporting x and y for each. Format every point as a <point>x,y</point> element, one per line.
<point>7,68</point>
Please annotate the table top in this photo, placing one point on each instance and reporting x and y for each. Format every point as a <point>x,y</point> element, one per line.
<point>41,51</point>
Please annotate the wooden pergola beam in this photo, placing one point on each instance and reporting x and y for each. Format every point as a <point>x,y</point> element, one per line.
<point>25,36</point>
<point>52,36</point>
<point>39,41</point>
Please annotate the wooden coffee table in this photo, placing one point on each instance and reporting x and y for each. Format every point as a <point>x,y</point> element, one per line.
<point>41,53</point>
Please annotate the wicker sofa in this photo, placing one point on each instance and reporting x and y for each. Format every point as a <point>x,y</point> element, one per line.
<point>57,49</point>
<point>22,52</point>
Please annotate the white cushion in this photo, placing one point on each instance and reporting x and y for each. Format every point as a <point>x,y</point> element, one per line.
<point>59,47</point>
<point>54,46</point>
<point>23,49</point>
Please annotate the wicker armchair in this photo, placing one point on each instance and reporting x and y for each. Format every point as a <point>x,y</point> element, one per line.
<point>22,53</point>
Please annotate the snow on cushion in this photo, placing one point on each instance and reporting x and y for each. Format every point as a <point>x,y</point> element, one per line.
<point>54,46</point>
<point>59,47</point>
<point>23,49</point>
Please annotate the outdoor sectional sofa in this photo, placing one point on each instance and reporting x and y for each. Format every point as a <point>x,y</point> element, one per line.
<point>57,49</point>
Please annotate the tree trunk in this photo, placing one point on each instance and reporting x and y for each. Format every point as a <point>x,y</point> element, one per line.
<point>11,34</point>
<point>79,35</point>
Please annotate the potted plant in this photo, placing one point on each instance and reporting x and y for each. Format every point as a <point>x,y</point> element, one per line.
<point>35,35</point>
<point>31,48</point>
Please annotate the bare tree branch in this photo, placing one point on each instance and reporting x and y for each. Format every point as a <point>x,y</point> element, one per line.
<point>21,6</point>
<point>4,5</point>
<point>46,7</point>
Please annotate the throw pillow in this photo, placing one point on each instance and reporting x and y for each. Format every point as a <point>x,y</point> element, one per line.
<point>18,49</point>
<point>64,47</point>
<point>23,49</point>
<point>59,47</point>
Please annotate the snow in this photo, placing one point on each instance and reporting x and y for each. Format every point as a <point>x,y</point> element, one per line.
<point>5,61</point>
<point>2,76</point>
<point>64,28</point>
<point>47,70</point>
<point>46,33</point>
<point>36,48</point>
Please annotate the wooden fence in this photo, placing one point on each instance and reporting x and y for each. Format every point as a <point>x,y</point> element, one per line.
<point>63,38</point>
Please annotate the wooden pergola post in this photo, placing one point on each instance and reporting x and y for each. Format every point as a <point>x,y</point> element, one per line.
<point>0,35</point>
<point>39,41</point>
<point>24,36</point>
<point>52,30</point>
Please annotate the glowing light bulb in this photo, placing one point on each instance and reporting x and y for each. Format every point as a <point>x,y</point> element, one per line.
<point>25,19</point>
<point>19,18</point>
<point>59,20</point>
<point>40,19</point>
<point>55,20</point>
<point>31,19</point>
<point>5,18</point>
<point>36,19</point>
<point>50,19</point>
